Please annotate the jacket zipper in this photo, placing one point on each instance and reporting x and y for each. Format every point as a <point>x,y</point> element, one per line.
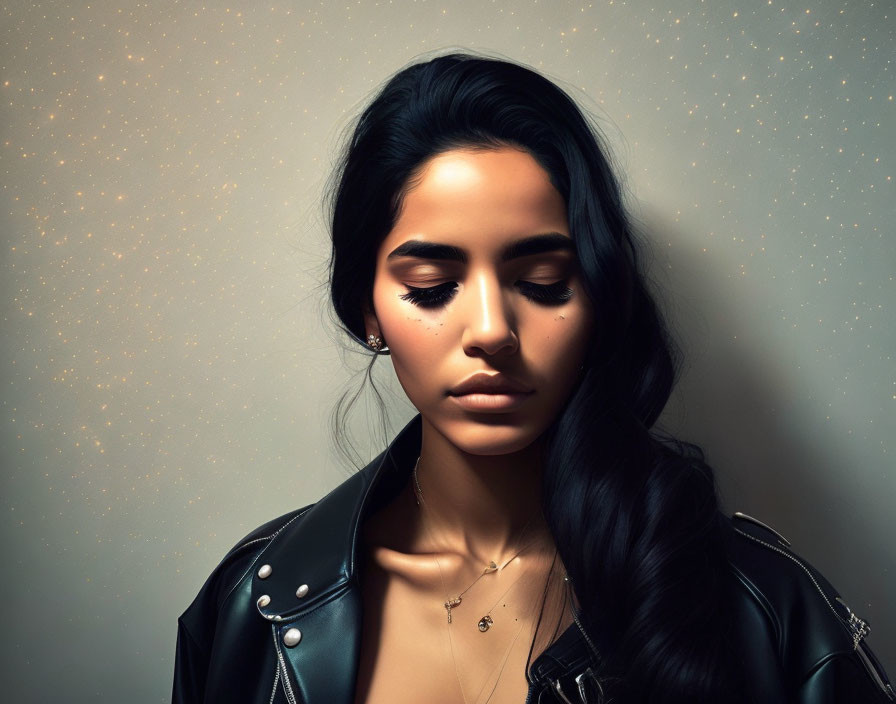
<point>575,615</point>
<point>276,682</point>
<point>287,686</point>
<point>804,568</point>
<point>556,683</point>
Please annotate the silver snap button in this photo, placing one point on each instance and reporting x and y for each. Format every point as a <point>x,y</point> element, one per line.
<point>302,591</point>
<point>292,637</point>
<point>263,601</point>
<point>264,571</point>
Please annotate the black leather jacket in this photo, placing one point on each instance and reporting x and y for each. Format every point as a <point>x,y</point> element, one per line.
<point>237,640</point>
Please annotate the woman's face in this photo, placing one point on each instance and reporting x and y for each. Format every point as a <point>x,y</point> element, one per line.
<point>479,277</point>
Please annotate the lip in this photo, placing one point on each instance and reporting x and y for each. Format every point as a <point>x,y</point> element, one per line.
<point>491,402</point>
<point>481,383</point>
<point>490,393</point>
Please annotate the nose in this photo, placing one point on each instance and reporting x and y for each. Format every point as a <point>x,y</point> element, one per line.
<point>490,328</point>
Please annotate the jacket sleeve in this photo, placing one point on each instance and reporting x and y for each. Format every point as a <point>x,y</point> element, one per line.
<point>190,668</point>
<point>790,612</point>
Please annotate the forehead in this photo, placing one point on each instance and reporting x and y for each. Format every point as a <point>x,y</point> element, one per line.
<point>478,200</point>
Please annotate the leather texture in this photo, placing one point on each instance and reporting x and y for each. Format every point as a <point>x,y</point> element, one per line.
<point>800,643</point>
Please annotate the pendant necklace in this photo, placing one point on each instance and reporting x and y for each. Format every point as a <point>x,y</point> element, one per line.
<point>450,603</point>
<point>454,657</point>
<point>486,621</point>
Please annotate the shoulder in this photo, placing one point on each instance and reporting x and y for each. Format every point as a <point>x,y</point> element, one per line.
<point>200,617</point>
<point>783,583</point>
<point>787,609</point>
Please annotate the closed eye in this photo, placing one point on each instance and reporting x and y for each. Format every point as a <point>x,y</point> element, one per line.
<point>556,293</point>
<point>546,294</point>
<point>430,296</point>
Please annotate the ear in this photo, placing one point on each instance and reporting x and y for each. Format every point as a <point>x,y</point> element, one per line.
<point>371,324</point>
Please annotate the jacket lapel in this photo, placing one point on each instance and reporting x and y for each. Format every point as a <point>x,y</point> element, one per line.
<point>305,581</point>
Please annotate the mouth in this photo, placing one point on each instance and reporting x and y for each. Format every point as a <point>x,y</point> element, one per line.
<point>490,392</point>
<point>483,383</point>
<point>491,402</point>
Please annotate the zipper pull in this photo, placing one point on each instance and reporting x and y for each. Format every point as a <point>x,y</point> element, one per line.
<point>560,693</point>
<point>860,629</point>
<point>580,683</point>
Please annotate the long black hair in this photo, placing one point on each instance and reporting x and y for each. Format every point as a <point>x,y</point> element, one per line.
<point>633,512</point>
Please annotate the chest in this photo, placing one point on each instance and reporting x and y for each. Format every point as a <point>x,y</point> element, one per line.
<point>409,652</point>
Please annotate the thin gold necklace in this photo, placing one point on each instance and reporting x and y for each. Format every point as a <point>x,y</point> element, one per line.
<point>452,602</point>
<point>454,657</point>
<point>486,621</point>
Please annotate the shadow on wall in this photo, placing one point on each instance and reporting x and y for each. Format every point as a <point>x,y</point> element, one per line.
<point>774,457</point>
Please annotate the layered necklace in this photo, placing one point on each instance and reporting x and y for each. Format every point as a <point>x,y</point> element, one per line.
<point>486,621</point>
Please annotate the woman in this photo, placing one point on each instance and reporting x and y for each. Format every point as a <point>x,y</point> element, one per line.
<point>527,536</point>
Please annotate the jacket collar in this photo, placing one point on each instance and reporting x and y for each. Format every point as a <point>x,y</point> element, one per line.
<point>306,578</point>
<point>319,548</point>
<point>315,555</point>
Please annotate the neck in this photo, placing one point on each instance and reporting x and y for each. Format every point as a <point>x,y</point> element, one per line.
<point>479,505</point>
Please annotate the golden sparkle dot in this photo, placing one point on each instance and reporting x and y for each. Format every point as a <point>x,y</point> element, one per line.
<point>100,77</point>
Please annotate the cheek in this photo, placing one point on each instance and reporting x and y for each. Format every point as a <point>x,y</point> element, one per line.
<point>560,337</point>
<point>414,336</point>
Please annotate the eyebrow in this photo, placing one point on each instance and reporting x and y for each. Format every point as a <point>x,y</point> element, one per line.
<point>536,244</point>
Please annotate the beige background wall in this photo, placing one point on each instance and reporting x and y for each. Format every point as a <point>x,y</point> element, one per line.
<point>168,365</point>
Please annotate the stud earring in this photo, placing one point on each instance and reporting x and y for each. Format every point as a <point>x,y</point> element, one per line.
<point>375,343</point>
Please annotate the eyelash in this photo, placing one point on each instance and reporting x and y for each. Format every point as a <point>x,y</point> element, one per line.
<point>435,296</point>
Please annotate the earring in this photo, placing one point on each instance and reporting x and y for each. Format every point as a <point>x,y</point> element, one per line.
<point>375,343</point>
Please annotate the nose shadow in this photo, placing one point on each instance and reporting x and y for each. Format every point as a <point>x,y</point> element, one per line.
<point>737,400</point>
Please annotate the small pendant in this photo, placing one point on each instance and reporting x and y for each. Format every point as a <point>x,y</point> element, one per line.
<point>492,567</point>
<point>485,623</point>
<point>450,604</point>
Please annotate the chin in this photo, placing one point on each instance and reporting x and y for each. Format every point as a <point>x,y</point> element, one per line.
<point>489,434</point>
